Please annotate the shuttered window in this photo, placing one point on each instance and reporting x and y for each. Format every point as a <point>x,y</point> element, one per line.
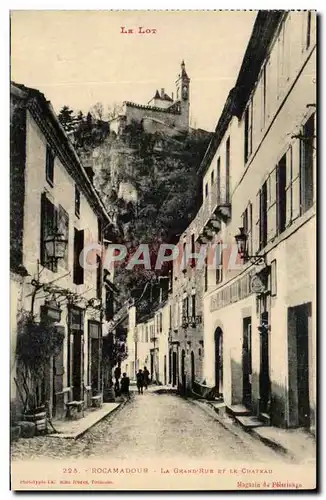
<point>248,124</point>
<point>295,180</point>
<point>271,205</point>
<point>263,91</point>
<point>49,216</point>
<point>281,194</point>
<point>263,216</point>
<point>63,228</point>
<point>307,164</point>
<point>227,171</point>
<point>98,277</point>
<point>219,263</point>
<point>257,224</point>
<point>289,187</point>
<point>247,226</point>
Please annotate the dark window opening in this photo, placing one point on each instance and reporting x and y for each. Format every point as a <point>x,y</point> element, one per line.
<point>193,249</point>
<point>78,273</point>
<point>99,230</point>
<point>193,306</point>
<point>247,226</point>
<point>109,310</point>
<point>227,171</point>
<point>306,164</point>
<point>218,177</point>
<point>219,264</point>
<point>246,128</point>
<point>248,119</point>
<point>49,165</point>
<point>206,277</point>
<point>77,201</point>
<point>99,277</point>
<point>49,221</point>
<point>281,195</point>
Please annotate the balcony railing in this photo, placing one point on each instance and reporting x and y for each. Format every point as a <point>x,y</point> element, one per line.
<point>215,209</point>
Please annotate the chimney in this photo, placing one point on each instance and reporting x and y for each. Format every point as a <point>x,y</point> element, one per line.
<point>172,96</point>
<point>162,92</point>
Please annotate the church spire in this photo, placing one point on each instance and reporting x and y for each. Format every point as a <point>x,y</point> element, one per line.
<point>184,75</point>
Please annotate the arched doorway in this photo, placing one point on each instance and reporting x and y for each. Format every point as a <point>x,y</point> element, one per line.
<point>174,369</point>
<point>192,368</point>
<point>170,366</point>
<point>183,371</point>
<point>218,337</point>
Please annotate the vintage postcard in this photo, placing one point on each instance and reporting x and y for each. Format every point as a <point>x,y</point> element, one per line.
<point>163,250</point>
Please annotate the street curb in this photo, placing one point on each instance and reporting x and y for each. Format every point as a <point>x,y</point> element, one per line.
<point>272,444</point>
<point>215,415</point>
<point>81,433</point>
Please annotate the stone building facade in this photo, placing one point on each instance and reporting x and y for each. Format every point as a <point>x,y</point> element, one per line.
<point>51,192</point>
<point>259,174</point>
<point>147,344</point>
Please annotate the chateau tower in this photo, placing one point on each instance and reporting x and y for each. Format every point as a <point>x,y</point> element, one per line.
<point>183,88</point>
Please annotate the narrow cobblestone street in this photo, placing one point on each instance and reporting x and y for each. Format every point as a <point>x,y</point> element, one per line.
<point>152,425</point>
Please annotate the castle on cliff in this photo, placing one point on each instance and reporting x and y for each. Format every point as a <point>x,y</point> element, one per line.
<point>162,112</point>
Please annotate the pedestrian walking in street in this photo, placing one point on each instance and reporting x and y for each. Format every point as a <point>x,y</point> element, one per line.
<point>140,381</point>
<point>146,377</point>
<point>117,388</point>
<point>125,382</point>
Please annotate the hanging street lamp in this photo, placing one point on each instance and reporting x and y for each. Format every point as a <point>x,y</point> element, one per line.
<point>242,240</point>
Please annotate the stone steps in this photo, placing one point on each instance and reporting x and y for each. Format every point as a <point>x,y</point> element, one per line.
<point>249,422</point>
<point>238,410</point>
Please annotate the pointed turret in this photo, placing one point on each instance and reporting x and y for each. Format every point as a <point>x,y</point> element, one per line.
<point>183,74</point>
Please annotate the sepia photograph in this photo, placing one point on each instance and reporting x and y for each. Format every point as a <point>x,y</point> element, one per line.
<point>163,308</point>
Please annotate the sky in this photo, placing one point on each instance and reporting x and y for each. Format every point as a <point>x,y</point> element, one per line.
<point>78,58</point>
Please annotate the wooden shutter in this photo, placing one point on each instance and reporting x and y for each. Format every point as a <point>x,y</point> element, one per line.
<point>271,207</point>
<point>271,82</point>
<point>48,224</point>
<point>249,209</point>
<point>296,160</point>
<point>257,223</point>
<point>63,228</point>
<point>288,187</point>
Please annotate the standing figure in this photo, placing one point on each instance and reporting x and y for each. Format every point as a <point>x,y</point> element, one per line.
<point>140,381</point>
<point>117,388</point>
<point>146,377</point>
<point>125,382</point>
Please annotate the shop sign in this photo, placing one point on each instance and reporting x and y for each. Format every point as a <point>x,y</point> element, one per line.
<point>50,310</point>
<point>257,285</point>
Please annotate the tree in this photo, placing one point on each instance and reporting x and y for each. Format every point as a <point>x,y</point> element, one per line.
<point>114,110</point>
<point>97,111</point>
<point>66,118</point>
